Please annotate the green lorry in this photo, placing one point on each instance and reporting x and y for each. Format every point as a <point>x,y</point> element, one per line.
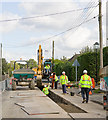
<point>23,77</point>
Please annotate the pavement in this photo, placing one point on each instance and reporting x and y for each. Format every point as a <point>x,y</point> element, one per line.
<point>25,103</point>
<point>97,98</point>
<point>93,110</point>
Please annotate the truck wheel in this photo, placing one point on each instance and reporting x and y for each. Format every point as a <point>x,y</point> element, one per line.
<point>13,85</point>
<point>32,85</point>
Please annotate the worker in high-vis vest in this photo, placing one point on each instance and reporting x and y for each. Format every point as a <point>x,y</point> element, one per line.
<point>46,89</point>
<point>63,81</point>
<point>85,84</point>
<point>47,67</point>
<point>56,80</point>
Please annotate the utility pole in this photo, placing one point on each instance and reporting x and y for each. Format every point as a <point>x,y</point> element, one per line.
<point>53,57</point>
<point>100,34</point>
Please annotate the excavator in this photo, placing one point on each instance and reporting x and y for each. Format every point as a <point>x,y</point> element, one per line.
<point>41,68</point>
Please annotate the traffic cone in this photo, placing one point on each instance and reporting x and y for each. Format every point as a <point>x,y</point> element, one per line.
<point>90,93</point>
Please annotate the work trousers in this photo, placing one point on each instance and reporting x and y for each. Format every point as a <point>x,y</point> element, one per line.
<point>56,84</point>
<point>85,91</point>
<point>52,84</point>
<point>64,88</point>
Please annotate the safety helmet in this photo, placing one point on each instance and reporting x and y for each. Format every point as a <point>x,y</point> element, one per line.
<point>85,71</point>
<point>45,85</point>
<point>51,74</point>
<point>63,72</point>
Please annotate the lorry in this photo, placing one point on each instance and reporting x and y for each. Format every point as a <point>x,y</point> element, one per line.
<point>23,76</point>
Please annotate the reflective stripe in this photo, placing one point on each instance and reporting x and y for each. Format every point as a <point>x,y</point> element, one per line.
<point>86,80</point>
<point>85,84</point>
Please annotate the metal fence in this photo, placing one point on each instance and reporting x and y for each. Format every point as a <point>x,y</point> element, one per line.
<point>5,85</point>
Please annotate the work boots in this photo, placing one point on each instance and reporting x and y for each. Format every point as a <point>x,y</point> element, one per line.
<point>83,100</point>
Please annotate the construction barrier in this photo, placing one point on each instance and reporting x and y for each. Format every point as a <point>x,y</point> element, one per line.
<point>5,85</point>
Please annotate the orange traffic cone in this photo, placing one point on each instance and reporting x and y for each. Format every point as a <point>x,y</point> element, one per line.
<point>90,93</point>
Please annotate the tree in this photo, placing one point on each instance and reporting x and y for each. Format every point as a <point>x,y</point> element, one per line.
<point>11,67</point>
<point>86,49</point>
<point>4,66</point>
<point>32,63</point>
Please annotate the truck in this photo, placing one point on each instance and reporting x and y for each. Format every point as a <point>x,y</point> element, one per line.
<point>23,77</point>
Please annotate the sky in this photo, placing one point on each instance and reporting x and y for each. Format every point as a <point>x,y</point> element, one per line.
<point>21,38</point>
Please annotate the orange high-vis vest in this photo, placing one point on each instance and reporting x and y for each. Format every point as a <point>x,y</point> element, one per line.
<point>93,83</point>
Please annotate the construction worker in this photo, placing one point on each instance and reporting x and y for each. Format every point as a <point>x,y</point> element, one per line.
<point>46,89</point>
<point>85,84</point>
<point>63,81</point>
<point>55,79</point>
<point>47,67</point>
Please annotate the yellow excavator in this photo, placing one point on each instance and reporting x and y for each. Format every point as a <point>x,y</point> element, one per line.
<point>39,69</point>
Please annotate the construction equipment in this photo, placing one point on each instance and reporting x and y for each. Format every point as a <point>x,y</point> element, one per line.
<point>23,77</point>
<point>39,70</point>
<point>35,69</point>
<point>47,72</point>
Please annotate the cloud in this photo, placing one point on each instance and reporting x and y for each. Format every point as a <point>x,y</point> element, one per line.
<point>42,28</point>
<point>8,26</point>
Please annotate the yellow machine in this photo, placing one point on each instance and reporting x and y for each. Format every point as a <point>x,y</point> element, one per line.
<point>35,69</point>
<point>39,70</point>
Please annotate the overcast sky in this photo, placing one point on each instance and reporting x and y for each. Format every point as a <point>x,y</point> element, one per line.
<point>21,38</point>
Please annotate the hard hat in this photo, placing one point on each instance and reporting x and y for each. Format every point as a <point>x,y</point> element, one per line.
<point>63,72</point>
<point>85,71</point>
<point>51,74</point>
<point>45,85</point>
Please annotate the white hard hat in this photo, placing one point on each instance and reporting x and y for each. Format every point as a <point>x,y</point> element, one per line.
<point>45,85</point>
<point>85,71</point>
<point>51,73</point>
<point>63,72</point>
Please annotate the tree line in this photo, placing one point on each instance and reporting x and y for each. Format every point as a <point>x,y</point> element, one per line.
<point>86,59</point>
<point>7,68</point>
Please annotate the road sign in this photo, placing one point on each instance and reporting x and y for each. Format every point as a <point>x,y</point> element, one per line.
<point>76,63</point>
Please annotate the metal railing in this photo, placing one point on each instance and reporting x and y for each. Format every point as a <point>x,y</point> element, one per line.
<point>5,85</point>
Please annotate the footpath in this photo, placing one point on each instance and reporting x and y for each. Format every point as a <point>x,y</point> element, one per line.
<point>92,110</point>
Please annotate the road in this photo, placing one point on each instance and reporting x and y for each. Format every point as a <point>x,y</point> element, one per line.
<point>33,102</point>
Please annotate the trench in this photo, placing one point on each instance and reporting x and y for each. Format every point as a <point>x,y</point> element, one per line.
<point>64,104</point>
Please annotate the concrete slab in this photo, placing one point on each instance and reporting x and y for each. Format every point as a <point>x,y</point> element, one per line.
<point>27,104</point>
<point>10,110</point>
<point>19,96</point>
<point>31,94</point>
<point>84,115</point>
<point>39,111</point>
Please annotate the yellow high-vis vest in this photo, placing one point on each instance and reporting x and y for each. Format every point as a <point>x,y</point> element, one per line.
<point>85,81</point>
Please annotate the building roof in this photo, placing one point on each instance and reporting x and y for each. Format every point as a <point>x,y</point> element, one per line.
<point>73,58</point>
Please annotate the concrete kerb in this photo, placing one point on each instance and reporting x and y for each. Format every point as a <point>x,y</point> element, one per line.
<point>58,98</point>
